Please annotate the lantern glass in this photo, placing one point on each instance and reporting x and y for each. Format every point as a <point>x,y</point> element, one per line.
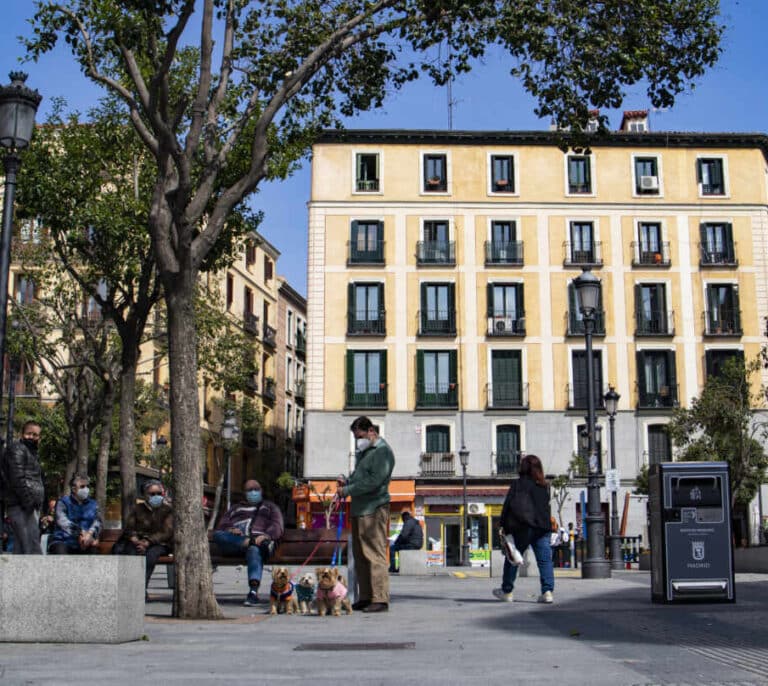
<point>611,401</point>
<point>587,287</point>
<point>464,456</point>
<point>18,106</point>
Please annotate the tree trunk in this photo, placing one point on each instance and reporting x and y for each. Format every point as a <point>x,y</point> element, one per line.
<point>83,440</point>
<point>69,472</point>
<point>105,443</point>
<point>126,440</point>
<point>194,598</point>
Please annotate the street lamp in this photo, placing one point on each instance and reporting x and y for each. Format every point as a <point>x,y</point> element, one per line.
<point>18,105</point>
<point>464,459</point>
<point>587,287</point>
<point>611,406</point>
<point>230,432</point>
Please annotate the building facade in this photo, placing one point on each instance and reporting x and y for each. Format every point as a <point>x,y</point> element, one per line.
<point>441,301</point>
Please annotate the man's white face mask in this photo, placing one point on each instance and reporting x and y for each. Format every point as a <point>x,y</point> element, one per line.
<point>362,444</point>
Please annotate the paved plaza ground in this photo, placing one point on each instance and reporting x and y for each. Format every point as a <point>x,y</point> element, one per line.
<point>440,630</point>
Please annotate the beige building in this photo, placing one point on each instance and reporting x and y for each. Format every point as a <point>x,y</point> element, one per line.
<point>441,304</point>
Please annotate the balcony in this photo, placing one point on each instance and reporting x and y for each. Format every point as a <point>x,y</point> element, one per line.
<point>251,384</point>
<point>713,256</point>
<point>577,396</point>
<point>655,323</point>
<point>500,325</point>
<point>367,185</point>
<point>643,257</point>
<point>437,464</point>
<point>437,323</point>
<point>504,253</point>
<point>437,395</point>
<point>431,253</point>
<point>301,343</point>
<point>506,395</point>
<point>362,323</point>
<point>722,323</point>
<point>664,397</point>
<point>366,396</point>
<point>300,389</point>
<point>298,438</point>
<point>580,256</point>
<point>366,255</point>
<point>574,326</point>
<point>270,336</point>
<point>506,463</point>
<point>268,388</point>
<point>435,184</point>
<point>250,323</point>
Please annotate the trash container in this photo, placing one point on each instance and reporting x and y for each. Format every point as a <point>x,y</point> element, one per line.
<point>689,508</point>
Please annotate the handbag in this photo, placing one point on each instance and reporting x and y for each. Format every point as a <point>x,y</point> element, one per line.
<point>510,549</point>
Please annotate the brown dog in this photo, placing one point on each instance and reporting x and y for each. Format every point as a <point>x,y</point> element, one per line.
<point>282,595</point>
<point>331,592</point>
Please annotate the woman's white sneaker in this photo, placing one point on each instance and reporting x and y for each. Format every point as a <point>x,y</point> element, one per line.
<point>546,597</point>
<point>499,593</point>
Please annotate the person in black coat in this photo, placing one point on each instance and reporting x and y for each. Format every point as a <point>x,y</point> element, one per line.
<point>411,538</point>
<point>526,516</point>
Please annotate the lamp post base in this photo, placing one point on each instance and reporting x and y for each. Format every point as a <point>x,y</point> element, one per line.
<point>465,562</point>
<point>596,569</point>
<point>615,547</point>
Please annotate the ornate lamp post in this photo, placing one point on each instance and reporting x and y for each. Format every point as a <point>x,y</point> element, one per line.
<point>18,106</point>
<point>611,406</point>
<point>230,432</point>
<point>587,287</point>
<point>464,459</point>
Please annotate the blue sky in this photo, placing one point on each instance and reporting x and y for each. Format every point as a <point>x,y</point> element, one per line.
<point>731,97</point>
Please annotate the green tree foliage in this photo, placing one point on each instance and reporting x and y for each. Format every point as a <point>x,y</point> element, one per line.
<point>224,94</point>
<point>641,481</point>
<point>721,425</point>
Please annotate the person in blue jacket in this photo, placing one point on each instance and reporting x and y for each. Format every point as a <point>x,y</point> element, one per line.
<point>78,522</point>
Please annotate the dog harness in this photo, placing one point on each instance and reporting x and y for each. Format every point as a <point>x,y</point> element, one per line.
<point>304,594</point>
<point>338,591</point>
<point>281,593</point>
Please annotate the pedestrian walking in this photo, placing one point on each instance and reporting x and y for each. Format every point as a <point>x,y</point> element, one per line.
<point>368,487</point>
<point>526,516</point>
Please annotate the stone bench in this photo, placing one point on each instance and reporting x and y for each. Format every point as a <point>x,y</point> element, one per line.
<point>413,563</point>
<point>71,599</point>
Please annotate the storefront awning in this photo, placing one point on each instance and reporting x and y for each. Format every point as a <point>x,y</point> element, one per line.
<point>400,490</point>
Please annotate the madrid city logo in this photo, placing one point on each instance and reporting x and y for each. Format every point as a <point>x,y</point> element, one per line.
<point>697,549</point>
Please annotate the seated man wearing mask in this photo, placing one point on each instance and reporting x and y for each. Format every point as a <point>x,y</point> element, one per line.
<point>77,521</point>
<point>148,530</point>
<point>250,529</point>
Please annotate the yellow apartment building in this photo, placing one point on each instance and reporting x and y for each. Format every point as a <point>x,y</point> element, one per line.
<point>441,301</point>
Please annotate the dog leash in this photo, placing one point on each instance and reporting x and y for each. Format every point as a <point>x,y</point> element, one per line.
<point>336,506</point>
<point>337,549</point>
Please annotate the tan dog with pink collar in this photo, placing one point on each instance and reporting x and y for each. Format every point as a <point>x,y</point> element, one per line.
<point>331,592</point>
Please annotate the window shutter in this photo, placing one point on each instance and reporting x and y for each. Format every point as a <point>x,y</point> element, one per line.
<point>588,171</point>
<point>451,301</point>
<point>709,363</point>
<point>734,301</point>
<point>715,172</point>
<point>729,248</point>
<point>353,234</point>
<point>383,367</point>
<point>640,362</point>
<point>452,367</point>
<point>703,237</point>
<point>700,171</point>
<point>489,296</point>
<point>420,369</point>
<point>671,369</point>
<point>573,307</point>
<point>638,304</point>
<point>351,305</point>
<point>520,300</point>
<point>350,369</point>
<point>379,226</point>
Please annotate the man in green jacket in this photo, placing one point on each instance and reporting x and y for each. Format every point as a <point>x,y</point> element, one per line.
<point>368,487</point>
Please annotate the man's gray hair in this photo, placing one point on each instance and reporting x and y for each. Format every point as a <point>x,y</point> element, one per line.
<point>151,482</point>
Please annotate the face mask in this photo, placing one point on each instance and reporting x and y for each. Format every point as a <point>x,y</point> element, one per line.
<point>155,500</point>
<point>83,493</point>
<point>253,497</point>
<point>362,444</point>
<point>31,443</point>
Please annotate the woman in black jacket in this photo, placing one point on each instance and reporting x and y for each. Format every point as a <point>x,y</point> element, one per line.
<point>526,516</point>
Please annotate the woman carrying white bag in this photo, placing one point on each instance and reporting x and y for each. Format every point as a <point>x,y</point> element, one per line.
<point>525,521</point>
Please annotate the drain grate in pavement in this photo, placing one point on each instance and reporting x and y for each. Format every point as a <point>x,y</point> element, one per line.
<point>354,646</point>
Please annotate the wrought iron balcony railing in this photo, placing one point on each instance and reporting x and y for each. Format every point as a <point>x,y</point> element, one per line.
<point>437,464</point>
<point>506,395</point>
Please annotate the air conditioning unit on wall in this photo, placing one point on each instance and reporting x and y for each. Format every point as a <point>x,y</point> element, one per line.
<point>504,324</point>
<point>476,508</point>
<point>649,183</point>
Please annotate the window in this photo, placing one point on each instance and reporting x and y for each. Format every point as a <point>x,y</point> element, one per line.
<point>575,318</point>
<point>582,248</point>
<point>366,309</point>
<point>579,390</point>
<point>435,173</point>
<point>646,176</point>
<point>247,300</point>
<point>715,360</point>
<point>502,173</point>
<point>651,316</point>
<point>659,444</point>
<point>506,309</point>
<point>366,378</point>
<point>289,327</point>
<point>579,175</point>
<point>650,250</point>
<point>30,230</point>
<point>438,439</point>
<point>366,244</point>
<point>268,267</point>
<point>656,379</point>
<point>723,315</point>
<point>506,389</point>
<point>250,254</point>
<point>507,449</point>
<point>288,374</point>
<point>504,248</point>
<point>367,172</point>
<point>230,290</point>
<point>717,245</point>
<point>437,316</point>
<point>288,419</point>
<point>437,459</point>
<point>436,379</point>
<point>24,288</point>
<point>436,246</point>
<point>710,176</point>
